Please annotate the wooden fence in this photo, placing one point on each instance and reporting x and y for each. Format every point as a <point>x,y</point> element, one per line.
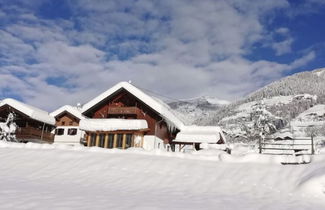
<point>296,146</point>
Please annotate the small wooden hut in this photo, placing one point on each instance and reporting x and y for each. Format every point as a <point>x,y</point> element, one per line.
<point>198,137</point>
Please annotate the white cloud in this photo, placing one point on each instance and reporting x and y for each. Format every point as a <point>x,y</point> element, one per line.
<point>13,49</point>
<point>283,31</point>
<point>176,48</point>
<point>37,33</point>
<point>303,60</point>
<point>282,47</point>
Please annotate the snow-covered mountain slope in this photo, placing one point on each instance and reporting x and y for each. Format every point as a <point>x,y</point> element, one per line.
<point>283,111</point>
<point>310,82</point>
<point>315,113</point>
<point>313,119</point>
<point>285,99</point>
<point>35,176</point>
<point>189,110</point>
<point>304,86</point>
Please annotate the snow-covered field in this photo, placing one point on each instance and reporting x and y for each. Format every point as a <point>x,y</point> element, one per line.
<point>34,176</point>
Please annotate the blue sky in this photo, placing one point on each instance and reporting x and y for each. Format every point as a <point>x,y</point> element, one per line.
<point>64,52</point>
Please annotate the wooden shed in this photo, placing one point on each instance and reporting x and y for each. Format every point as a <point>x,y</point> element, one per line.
<point>198,137</point>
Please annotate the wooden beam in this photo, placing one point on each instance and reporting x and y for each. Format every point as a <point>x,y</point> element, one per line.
<point>115,140</point>
<point>88,140</point>
<point>132,140</point>
<point>141,145</point>
<point>97,140</point>
<point>106,141</point>
<point>124,141</point>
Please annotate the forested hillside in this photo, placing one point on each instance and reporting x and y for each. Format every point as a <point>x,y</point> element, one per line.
<point>285,99</point>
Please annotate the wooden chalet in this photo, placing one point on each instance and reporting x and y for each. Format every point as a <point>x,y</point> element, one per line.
<point>124,116</point>
<point>67,120</point>
<point>33,124</point>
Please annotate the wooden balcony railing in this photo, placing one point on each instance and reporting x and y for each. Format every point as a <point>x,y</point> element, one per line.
<point>123,110</point>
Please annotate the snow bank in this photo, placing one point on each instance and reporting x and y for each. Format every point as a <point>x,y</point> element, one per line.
<point>112,124</point>
<point>240,154</point>
<point>313,182</point>
<point>35,176</point>
<point>32,112</point>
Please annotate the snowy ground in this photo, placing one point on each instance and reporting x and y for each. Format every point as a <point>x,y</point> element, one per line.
<point>36,176</point>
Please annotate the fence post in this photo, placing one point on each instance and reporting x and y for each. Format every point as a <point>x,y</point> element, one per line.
<point>260,144</point>
<point>312,145</point>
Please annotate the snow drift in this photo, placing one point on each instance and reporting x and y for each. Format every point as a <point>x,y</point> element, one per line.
<point>35,176</point>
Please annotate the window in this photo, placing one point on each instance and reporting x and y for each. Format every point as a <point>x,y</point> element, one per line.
<point>128,142</point>
<point>92,139</point>
<point>72,131</point>
<point>63,123</point>
<point>110,141</point>
<point>119,143</point>
<point>59,131</point>
<point>101,140</point>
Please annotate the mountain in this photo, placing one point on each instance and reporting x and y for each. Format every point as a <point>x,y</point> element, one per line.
<point>189,110</point>
<point>286,100</point>
<point>310,82</point>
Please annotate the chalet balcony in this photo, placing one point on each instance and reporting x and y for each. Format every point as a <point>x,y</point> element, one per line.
<point>123,110</point>
<point>30,133</point>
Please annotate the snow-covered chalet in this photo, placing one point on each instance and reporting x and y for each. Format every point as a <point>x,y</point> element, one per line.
<point>33,124</point>
<point>125,116</point>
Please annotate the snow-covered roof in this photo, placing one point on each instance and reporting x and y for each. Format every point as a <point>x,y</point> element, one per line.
<point>70,109</point>
<point>200,134</point>
<point>283,135</point>
<point>30,111</point>
<point>160,107</point>
<point>112,124</point>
